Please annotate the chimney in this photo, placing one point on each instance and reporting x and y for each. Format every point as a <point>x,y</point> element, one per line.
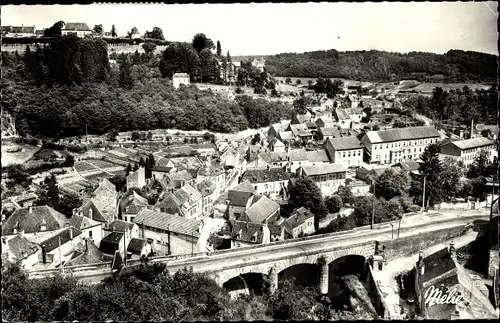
<point>268,167</point>
<point>43,226</point>
<point>86,246</point>
<point>453,251</point>
<point>471,127</point>
<point>30,210</point>
<point>90,213</point>
<point>461,134</point>
<point>44,254</point>
<point>70,234</point>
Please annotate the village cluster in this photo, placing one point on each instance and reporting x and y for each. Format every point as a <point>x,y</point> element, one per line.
<point>214,191</point>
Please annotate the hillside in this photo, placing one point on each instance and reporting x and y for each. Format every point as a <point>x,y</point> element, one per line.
<point>454,66</point>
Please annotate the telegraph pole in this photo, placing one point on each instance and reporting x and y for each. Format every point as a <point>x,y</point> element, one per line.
<point>373,206</point>
<point>423,196</point>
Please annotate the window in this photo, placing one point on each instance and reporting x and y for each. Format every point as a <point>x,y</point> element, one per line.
<point>90,234</point>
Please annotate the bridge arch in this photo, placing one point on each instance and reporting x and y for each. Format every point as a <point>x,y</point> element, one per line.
<point>340,267</point>
<point>246,283</point>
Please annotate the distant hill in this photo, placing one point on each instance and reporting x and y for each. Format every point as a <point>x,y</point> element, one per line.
<point>454,66</point>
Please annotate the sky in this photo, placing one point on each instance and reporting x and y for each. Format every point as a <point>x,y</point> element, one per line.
<point>266,29</point>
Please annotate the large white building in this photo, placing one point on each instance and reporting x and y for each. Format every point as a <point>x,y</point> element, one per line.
<point>347,151</point>
<point>396,145</point>
<point>468,150</point>
<point>79,29</point>
<point>328,177</point>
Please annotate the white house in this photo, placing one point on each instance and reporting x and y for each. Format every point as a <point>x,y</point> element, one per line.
<point>347,151</point>
<point>328,177</point>
<point>400,144</point>
<point>271,182</point>
<point>180,78</point>
<point>468,150</point>
<point>79,29</point>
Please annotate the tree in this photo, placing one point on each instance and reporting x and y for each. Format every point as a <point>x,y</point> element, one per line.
<point>288,80</point>
<point>200,42</point>
<point>431,168</point>
<point>333,203</point>
<point>69,160</point>
<point>69,202</point>
<point>392,184</point>
<point>128,169</point>
<point>219,49</point>
<point>207,65</point>
<point>15,173</point>
<point>136,167</point>
<point>149,48</point>
<point>480,165</point>
<point>125,77</point>
<point>451,174</point>
<point>112,135</point>
<point>113,31</point>
<point>142,162</point>
<point>55,30</point>
<point>304,192</point>
<point>345,194</point>
<point>180,58</point>
<point>156,33</point>
<point>98,29</point>
<point>298,82</point>
<point>341,223</point>
<point>119,181</point>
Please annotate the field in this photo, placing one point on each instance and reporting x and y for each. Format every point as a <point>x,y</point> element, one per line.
<point>82,166</point>
<point>101,163</point>
<point>21,157</point>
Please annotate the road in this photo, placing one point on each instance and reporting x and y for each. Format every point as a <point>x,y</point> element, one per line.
<point>268,253</point>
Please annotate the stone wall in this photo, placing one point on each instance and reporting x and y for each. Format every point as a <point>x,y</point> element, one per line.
<point>376,294</point>
<point>406,246</point>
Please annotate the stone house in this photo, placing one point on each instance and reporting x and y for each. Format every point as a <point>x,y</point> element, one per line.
<point>131,205</point>
<point>169,234</point>
<point>207,188</point>
<point>20,248</point>
<point>137,179</point>
<point>79,29</point>
<point>180,78</point>
<point>299,224</point>
<point>244,234</point>
<point>328,177</point>
<point>103,204</point>
<point>347,151</point>
<point>33,220</point>
<point>56,247</point>
<point>271,182</point>
<point>186,201</point>
<point>468,150</point>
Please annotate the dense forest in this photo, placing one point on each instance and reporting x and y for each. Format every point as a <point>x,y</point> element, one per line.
<point>458,106</point>
<point>454,66</point>
<point>68,85</point>
<point>150,293</point>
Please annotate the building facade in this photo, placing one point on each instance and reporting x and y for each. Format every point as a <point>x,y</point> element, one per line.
<point>347,151</point>
<point>328,177</point>
<point>468,150</point>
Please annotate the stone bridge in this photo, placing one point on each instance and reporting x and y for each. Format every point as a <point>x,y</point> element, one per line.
<point>281,259</point>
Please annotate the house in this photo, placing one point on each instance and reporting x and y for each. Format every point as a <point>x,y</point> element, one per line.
<point>468,150</point>
<point>327,133</point>
<point>369,174</point>
<point>239,199</point>
<point>254,150</point>
<point>315,157</point>
<point>33,220</point>
<point>177,180</point>
<point>441,271</point>
<point>394,145</point>
<point>132,205</point>
<point>301,118</point>
<point>138,248</point>
<point>137,179</point>
<point>299,224</point>
<point>102,206</point>
<point>343,118</point>
<point>271,182</point>
<point>186,202</point>
<point>57,247</point>
<point>90,228</point>
<point>230,158</point>
<point>276,232</point>
<point>299,132</point>
<point>259,63</point>
<point>180,78</point>
<point>131,230</point>
<point>113,242</point>
<point>86,252</point>
<point>244,234</point>
<point>19,248</point>
<point>350,102</point>
<point>275,129</point>
<point>286,137</point>
<point>18,31</point>
<point>262,210</point>
<point>169,234</point>
<point>215,172</point>
<point>275,159</point>
<point>347,151</point>
<point>134,33</point>
<point>24,200</point>
<point>259,163</point>
<point>296,159</point>
<point>327,176</point>
<point>408,166</point>
<point>208,189</point>
<point>160,170</point>
<point>276,145</point>
<point>79,29</point>
<point>325,122</point>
